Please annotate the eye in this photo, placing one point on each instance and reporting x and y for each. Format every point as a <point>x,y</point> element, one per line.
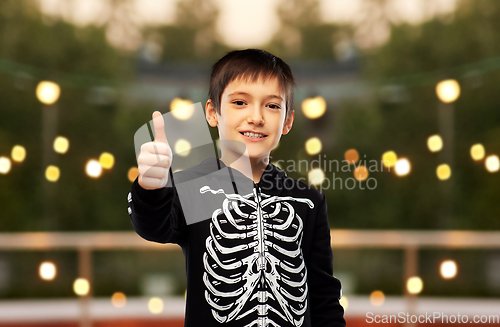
<point>274,106</point>
<point>239,103</point>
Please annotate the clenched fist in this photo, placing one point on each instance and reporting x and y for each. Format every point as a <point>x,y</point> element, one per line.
<point>155,158</point>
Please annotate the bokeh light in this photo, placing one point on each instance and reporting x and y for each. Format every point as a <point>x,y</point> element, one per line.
<point>492,163</point>
<point>435,143</point>
<point>118,299</point>
<point>443,172</point>
<point>182,109</point>
<point>402,167</point>
<point>132,173</point>
<point>361,173</point>
<point>351,156</point>
<point>61,144</point>
<point>18,153</point>
<point>182,147</point>
<point>47,270</point>
<point>314,108</point>
<point>5,165</point>
<point>477,152</point>
<point>316,176</point>
<point>81,286</point>
<point>414,285</point>
<point>93,168</point>
<point>313,146</point>
<point>448,90</point>
<point>377,298</point>
<point>107,160</point>
<point>344,302</point>
<point>48,92</point>
<point>52,173</point>
<point>155,305</point>
<point>448,269</point>
<point>389,159</point>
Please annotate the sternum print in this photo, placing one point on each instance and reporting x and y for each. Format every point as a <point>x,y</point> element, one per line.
<point>260,233</point>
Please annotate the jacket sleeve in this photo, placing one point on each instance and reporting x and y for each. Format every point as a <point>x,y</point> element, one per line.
<point>324,289</point>
<point>156,215</point>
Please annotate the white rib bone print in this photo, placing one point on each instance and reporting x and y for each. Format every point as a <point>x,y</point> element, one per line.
<point>267,233</point>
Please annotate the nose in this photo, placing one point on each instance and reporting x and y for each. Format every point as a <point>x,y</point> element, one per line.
<point>255,116</point>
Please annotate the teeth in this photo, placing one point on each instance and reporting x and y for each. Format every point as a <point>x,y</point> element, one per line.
<point>254,135</point>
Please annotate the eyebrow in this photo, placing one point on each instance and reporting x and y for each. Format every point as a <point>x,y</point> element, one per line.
<point>244,93</point>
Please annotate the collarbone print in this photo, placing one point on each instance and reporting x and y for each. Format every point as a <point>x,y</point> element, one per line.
<point>253,262</point>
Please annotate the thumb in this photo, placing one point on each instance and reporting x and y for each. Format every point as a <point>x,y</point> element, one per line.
<point>159,126</point>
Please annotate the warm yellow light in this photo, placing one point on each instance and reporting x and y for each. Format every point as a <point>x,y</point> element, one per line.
<point>443,172</point>
<point>18,153</point>
<point>52,173</point>
<point>276,146</point>
<point>360,173</point>
<point>182,147</point>
<point>118,299</point>
<point>316,176</point>
<point>448,90</point>
<point>132,174</point>
<point>47,270</point>
<point>313,146</point>
<point>352,156</point>
<point>107,160</point>
<point>477,151</point>
<point>4,165</point>
<point>277,164</point>
<point>389,159</point>
<point>48,92</point>
<point>448,269</point>
<point>414,285</point>
<point>61,144</point>
<point>344,302</point>
<point>93,168</point>
<point>155,305</point>
<point>314,107</point>
<point>377,298</point>
<point>182,109</point>
<point>81,286</point>
<point>492,164</point>
<point>402,167</point>
<point>435,143</point>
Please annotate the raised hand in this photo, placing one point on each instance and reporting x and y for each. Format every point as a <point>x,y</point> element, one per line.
<point>155,158</point>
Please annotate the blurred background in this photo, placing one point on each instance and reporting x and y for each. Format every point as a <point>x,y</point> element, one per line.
<point>402,92</point>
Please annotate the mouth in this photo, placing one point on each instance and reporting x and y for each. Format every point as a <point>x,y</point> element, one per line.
<point>253,135</point>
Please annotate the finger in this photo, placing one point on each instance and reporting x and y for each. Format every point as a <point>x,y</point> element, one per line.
<point>154,172</point>
<point>154,160</point>
<point>159,126</point>
<point>155,148</point>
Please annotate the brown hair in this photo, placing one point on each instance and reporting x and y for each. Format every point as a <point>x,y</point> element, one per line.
<point>250,64</point>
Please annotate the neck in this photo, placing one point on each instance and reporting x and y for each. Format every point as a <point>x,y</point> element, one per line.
<point>252,168</point>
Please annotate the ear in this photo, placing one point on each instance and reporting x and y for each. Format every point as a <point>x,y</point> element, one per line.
<point>287,126</point>
<point>210,113</point>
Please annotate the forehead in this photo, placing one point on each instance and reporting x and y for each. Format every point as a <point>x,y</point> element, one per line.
<point>257,87</point>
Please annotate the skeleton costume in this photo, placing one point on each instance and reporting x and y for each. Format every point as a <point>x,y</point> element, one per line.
<point>261,258</point>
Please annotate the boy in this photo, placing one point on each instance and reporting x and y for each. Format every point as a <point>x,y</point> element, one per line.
<point>263,258</point>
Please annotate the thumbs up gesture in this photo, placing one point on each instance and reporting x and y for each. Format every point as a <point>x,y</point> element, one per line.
<point>155,158</point>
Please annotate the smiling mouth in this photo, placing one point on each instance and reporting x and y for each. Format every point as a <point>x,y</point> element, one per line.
<point>253,135</point>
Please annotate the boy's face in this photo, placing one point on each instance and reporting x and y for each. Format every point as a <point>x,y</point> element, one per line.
<point>257,107</point>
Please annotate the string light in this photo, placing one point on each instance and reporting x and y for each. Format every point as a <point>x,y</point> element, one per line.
<point>182,109</point>
<point>48,92</point>
<point>435,143</point>
<point>448,90</point>
<point>18,153</point>
<point>477,152</point>
<point>389,159</point>
<point>314,108</point>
